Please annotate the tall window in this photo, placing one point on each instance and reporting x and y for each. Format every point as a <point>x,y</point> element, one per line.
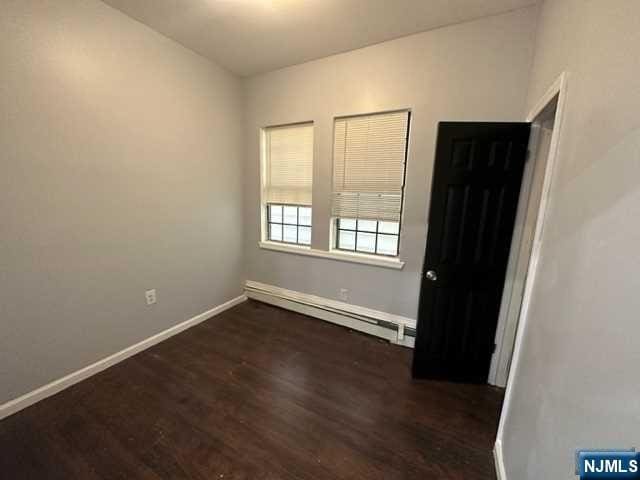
<point>369,158</point>
<point>287,183</point>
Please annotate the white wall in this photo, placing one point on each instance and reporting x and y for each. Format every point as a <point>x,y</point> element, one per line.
<point>577,385</point>
<point>473,71</point>
<point>120,161</point>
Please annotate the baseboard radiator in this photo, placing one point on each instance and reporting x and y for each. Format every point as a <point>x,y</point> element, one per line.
<point>394,328</point>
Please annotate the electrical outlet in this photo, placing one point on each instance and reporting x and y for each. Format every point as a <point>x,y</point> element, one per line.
<point>150,295</point>
<point>343,294</point>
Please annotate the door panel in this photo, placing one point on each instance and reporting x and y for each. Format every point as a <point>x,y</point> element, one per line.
<point>476,185</point>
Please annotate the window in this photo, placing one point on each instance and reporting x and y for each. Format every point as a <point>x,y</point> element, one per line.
<point>287,183</point>
<point>369,158</point>
<point>289,224</point>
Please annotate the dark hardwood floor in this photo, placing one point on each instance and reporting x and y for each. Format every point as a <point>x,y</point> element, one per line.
<point>257,393</point>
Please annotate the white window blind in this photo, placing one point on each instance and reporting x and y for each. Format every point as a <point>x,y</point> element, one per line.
<point>288,164</point>
<point>368,166</point>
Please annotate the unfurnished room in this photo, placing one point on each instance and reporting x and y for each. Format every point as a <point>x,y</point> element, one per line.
<point>319,239</point>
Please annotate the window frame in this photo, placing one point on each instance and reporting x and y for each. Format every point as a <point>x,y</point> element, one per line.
<point>268,224</point>
<point>335,221</point>
<point>264,204</point>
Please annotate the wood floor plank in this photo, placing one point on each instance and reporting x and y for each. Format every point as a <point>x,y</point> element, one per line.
<point>258,393</point>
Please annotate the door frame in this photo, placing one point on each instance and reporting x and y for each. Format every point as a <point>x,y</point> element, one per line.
<point>511,299</point>
<point>504,340</point>
<point>557,90</point>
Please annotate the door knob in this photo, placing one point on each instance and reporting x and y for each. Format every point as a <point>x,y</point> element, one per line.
<point>431,275</point>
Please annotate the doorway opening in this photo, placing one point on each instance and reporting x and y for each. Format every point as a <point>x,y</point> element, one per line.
<point>475,189</point>
<point>518,267</point>
<point>486,217</point>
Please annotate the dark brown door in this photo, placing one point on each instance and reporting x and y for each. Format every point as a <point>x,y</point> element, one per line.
<point>474,197</point>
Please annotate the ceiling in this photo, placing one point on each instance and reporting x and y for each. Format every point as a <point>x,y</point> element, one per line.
<point>254,36</point>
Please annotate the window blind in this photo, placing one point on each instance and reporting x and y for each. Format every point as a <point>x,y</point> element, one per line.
<point>368,166</point>
<point>288,164</point>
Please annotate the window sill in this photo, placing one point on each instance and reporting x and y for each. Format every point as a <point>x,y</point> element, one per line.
<point>375,260</point>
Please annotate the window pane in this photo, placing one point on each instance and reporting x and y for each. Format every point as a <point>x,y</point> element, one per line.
<point>346,240</point>
<point>305,215</point>
<point>389,227</point>
<point>366,242</point>
<point>367,225</point>
<point>388,244</point>
<point>348,223</point>
<point>304,235</point>
<point>275,213</point>
<point>289,233</point>
<point>275,232</point>
<point>291,215</point>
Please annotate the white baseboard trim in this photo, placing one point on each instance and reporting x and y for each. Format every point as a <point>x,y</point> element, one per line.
<point>501,473</point>
<point>28,399</point>
<point>351,316</point>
